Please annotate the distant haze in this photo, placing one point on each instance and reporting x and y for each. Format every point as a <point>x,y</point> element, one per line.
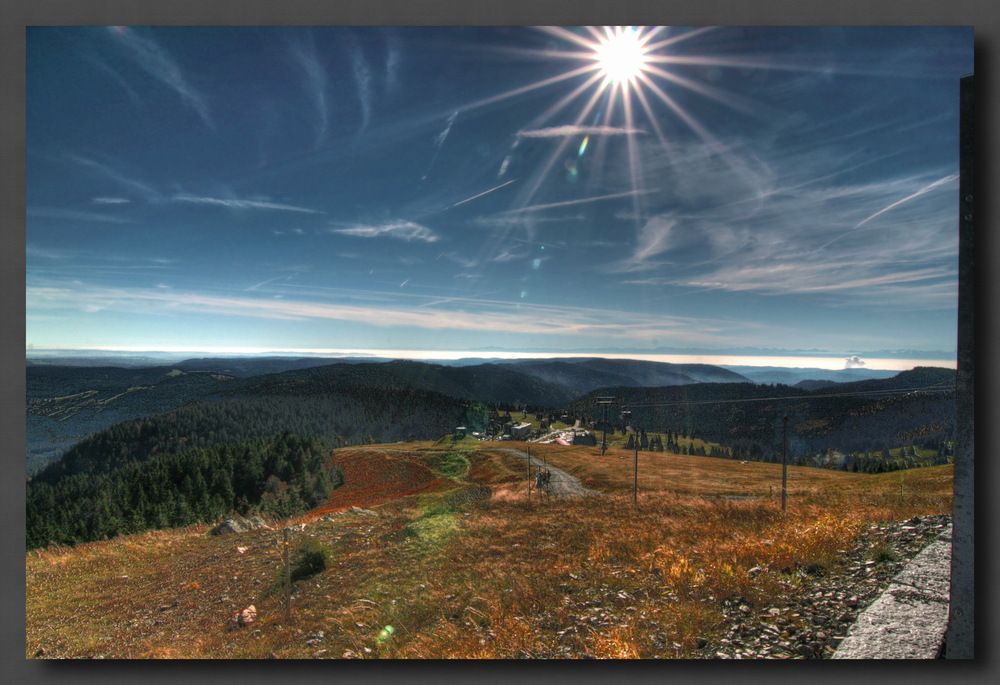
<point>815,362</point>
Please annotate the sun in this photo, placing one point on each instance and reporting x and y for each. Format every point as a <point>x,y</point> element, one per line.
<point>622,84</point>
<point>621,55</point>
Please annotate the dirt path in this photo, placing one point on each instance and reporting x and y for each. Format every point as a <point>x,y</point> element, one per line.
<point>561,484</point>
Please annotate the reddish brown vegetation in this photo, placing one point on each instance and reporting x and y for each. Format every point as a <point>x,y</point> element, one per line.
<point>373,477</point>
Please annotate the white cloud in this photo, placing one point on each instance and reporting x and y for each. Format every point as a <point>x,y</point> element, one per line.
<point>387,309</point>
<point>148,193</point>
<point>75,215</point>
<point>159,64</point>
<point>564,131</point>
<point>400,230</point>
<point>315,84</point>
<point>233,203</point>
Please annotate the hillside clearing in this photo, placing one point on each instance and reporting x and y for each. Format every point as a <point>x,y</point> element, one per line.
<point>500,578</point>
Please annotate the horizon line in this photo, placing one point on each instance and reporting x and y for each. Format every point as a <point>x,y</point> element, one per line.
<point>782,359</point>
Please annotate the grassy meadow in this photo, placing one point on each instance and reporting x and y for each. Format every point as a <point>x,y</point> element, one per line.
<point>434,576</point>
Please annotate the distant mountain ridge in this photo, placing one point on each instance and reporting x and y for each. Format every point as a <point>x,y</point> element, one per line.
<point>66,403</point>
<point>795,375</point>
<point>915,405</point>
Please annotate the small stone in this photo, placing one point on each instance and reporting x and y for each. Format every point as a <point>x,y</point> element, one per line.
<point>245,617</point>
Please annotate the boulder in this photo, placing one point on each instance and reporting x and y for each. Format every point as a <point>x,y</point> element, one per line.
<point>239,525</point>
<point>359,510</point>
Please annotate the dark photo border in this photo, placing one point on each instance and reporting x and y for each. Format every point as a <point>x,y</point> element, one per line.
<point>17,14</point>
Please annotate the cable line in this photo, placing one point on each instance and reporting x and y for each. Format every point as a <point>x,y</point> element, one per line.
<point>899,392</point>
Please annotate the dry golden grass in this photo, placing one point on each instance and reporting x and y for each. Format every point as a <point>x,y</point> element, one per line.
<point>502,578</point>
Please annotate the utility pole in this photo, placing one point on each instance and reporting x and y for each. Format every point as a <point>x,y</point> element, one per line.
<point>288,579</point>
<point>784,464</point>
<point>635,475</point>
<point>604,402</point>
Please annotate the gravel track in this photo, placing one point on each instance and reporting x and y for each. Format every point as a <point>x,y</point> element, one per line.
<point>562,484</point>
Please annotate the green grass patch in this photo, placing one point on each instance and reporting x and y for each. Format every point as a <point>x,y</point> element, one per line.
<point>455,443</point>
<point>452,465</point>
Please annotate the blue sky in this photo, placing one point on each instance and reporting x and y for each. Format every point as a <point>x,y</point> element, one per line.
<point>789,188</point>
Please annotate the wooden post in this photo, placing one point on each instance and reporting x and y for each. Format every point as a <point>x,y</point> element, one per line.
<point>784,464</point>
<point>288,581</point>
<point>528,463</point>
<point>635,474</point>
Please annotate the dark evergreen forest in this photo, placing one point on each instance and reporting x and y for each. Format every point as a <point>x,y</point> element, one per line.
<point>868,421</point>
<point>279,476</point>
<point>206,459</point>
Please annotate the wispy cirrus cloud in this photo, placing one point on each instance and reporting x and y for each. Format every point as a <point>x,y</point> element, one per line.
<point>146,191</point>
<point>156,62</point>
<point>76,215</point>
<point>507,221</point>
<point>110,200</point>
<point>386,310</point>
<point>407,231</point>
<point>789,222</point>
<point>118,78</point>
<point>307,59</point>
<point>565,131</point>
<point>393,59</point>
<point>848,284</point>
<point>234,203</point>
<point>362,74</point>
<point>461,260</point>
<point>439,143</point>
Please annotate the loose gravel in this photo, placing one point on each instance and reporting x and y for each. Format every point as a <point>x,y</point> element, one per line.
<point>811,620</point>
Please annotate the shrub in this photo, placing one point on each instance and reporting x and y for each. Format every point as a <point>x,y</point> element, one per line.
<point>309,559</point>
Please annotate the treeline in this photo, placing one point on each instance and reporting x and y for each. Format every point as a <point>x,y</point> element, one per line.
<point>280,477</point>
<point>746,420</point>
<point>338,420</point>
<point>206,459</point>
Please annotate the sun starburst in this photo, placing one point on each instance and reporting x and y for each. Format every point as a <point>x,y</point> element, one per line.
<point>621,55</point>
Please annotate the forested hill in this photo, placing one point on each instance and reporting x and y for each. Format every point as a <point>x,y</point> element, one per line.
<point>914,407</point>
<point>483,382</point>
<point>582,375</point>
<point>280,476</point>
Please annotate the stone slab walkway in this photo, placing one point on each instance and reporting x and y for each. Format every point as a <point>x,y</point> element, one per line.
<point>910,619</point>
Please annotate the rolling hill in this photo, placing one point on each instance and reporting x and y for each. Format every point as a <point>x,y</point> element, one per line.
<point>65,403</point>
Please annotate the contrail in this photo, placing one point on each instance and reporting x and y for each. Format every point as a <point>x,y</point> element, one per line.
<point>485,192</point>
<point>946,179</point>
<point>439,142</point>
<point>567,203</point>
